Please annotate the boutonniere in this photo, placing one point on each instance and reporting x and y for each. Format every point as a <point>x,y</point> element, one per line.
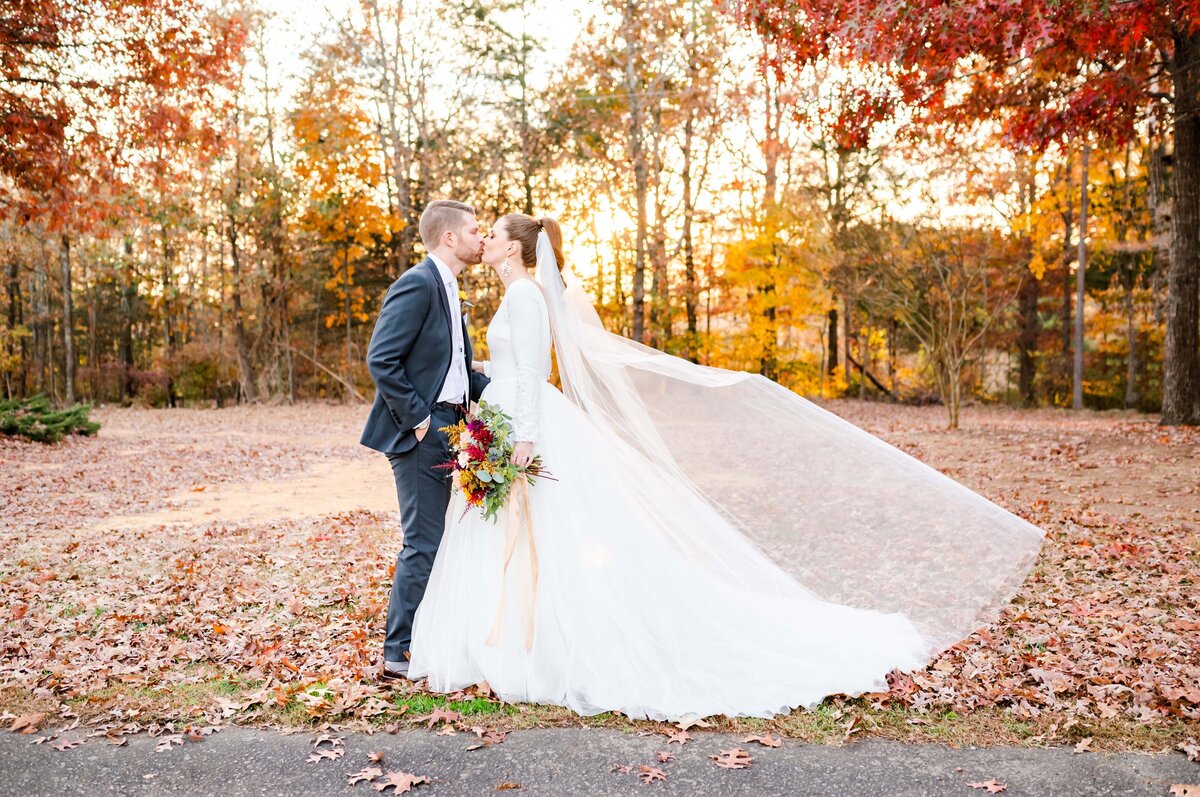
<point>462,298</point>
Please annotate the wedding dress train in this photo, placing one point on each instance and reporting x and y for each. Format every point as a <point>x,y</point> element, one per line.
<point>700,551</point>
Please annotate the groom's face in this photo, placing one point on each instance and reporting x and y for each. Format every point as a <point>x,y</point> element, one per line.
<point>469,246</point>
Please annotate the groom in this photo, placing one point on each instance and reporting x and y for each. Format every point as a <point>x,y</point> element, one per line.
<point>420,359</point>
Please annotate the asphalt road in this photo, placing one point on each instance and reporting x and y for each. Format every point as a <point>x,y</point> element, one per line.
<point>241,761</point>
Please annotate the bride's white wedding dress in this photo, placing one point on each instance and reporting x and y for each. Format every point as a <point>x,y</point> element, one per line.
<point>652,597</point>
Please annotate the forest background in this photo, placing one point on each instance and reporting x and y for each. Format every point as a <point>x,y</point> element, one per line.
<point>992,200</point>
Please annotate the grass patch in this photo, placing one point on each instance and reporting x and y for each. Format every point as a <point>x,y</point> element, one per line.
<point>420,703</point>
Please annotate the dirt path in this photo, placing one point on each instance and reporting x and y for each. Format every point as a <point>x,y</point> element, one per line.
<point>324,488</point>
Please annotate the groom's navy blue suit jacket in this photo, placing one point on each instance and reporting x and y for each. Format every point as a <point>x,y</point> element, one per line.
<point>409,357</point>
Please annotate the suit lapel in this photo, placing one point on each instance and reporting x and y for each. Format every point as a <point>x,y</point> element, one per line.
<point>441,290</point>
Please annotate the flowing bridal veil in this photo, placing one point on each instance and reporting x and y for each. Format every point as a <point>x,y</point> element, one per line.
<point>848,517</point>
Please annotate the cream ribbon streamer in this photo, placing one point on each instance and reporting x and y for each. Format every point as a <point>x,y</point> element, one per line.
<point>519,519</point>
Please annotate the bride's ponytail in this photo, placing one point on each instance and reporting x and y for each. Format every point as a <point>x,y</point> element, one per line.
<point>554,233</point>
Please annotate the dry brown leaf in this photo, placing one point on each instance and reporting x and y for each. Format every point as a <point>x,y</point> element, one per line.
<point>436,716</point>
<point>326,754</point>
<point>28,723</point>
<point>401,782</point>
<point>651,774</point>
<point>1185,790</point>
<point>665,758</point>
<point>368,774</point>
<point>509,786</point>
<point>68,744</point>
<point>376,757</point>
<point>990,786</point>
<point>622,769</point>
<point>736,758</point>
<point>766,740</point>
<point>679,737</point>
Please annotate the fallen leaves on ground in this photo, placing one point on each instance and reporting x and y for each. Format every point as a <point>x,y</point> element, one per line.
<point>289,613</point>
<point>438,715</point>
<point>28,723</point>
<point>488,737</point>
<point>737,758</point>
<point>651,774</point>
<point>1185,790</point>
<point>990,786</point>
<point>368,774</point>
<point>766,740</point>
<point>68,744</point>
<point>400,782</point>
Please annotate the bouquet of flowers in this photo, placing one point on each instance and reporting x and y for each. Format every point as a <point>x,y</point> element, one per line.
<point>482,464</point>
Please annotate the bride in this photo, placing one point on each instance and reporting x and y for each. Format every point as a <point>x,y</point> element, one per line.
<point>713,544</point>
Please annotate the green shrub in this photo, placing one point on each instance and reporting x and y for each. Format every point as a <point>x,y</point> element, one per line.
<point>35,419</point>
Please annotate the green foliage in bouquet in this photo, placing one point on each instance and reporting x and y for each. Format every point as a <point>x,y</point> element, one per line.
<point>35,419</point>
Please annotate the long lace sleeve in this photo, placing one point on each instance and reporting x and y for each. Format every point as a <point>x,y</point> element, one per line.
<point>530,343</point>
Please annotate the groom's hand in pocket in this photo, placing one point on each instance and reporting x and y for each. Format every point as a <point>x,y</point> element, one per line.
<point>423,429</point>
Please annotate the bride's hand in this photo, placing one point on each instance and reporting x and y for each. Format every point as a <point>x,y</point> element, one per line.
<point>522,454</point>
<point>479,365</point>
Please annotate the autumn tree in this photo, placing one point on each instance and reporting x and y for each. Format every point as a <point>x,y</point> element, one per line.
<point>339,164</point>
<point>1086,66</point>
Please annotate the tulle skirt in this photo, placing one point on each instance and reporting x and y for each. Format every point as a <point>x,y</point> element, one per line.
<point>648,601</point>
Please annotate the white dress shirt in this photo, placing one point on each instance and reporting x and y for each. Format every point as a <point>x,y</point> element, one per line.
<point>455,388</point>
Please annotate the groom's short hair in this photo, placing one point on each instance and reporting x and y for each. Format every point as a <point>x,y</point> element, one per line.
<point>442,215</point>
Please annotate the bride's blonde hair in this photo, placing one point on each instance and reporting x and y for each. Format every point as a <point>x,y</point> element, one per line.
<point>524,230</point>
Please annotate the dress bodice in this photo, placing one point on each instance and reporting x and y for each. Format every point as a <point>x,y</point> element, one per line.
<point>519,349</point>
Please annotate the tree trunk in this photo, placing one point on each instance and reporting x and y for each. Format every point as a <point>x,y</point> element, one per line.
<point>1027,339</point>
<point>832,315</point>
<point>93,313</point>
<point>689,255</point>
<point>640,169</point>
<point>1132,365</point>
<point>245,367</point>
<point>1080,281</point>
<point>1181,355</point>
<point>64,259</point>
<point>1070,251</point>
<point>16,318</point>
<point>40,324</point>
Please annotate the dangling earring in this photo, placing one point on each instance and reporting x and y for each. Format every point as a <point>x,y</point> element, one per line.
<point>505,268</point>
